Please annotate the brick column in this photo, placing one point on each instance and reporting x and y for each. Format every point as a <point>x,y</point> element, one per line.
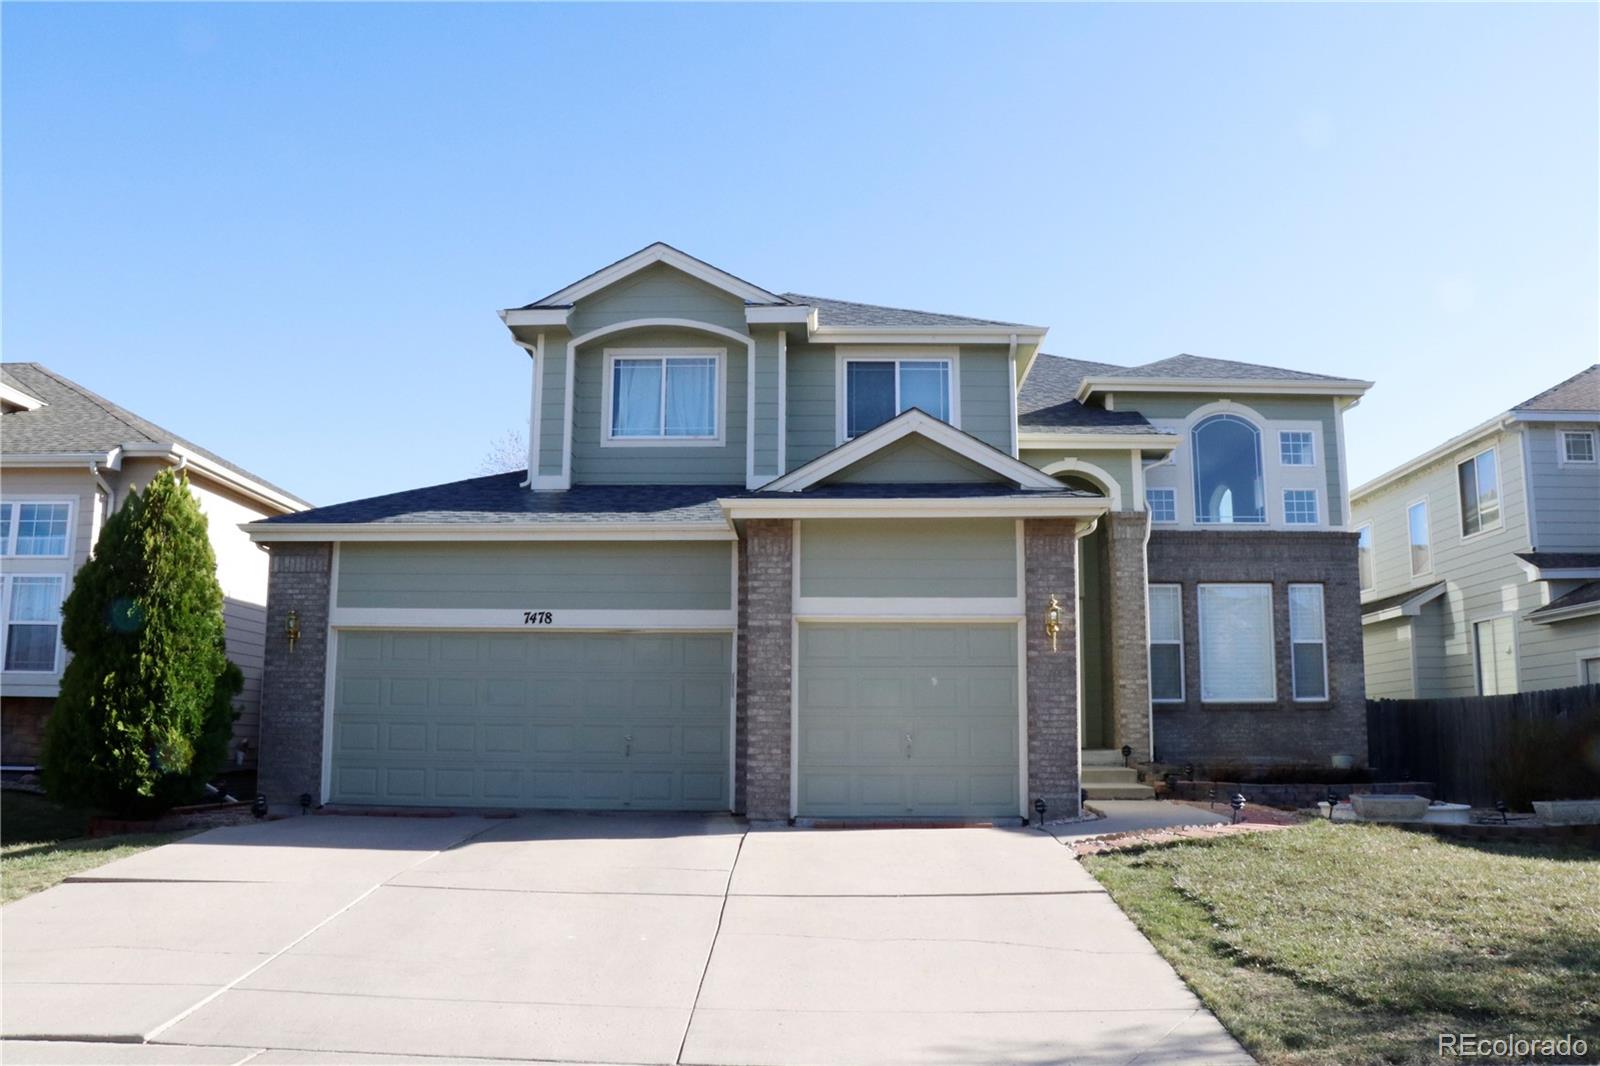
<point>1050,554</point>
<point>292,683</point>
<point>1126,533</point>
<point>766,627</point>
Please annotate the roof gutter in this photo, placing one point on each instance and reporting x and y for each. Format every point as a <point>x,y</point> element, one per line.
<point>183,458</point>
<point>283,532</point>
<point>1024,505</point>
<point>1242,386</point>
<point>1120,441</point>
<point>1544,616</point>
<point>1460,440</point>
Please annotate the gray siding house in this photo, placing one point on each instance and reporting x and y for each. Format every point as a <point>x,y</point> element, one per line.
<point>800,557</point>
<point>69,459</point>
<point>1480,559</point>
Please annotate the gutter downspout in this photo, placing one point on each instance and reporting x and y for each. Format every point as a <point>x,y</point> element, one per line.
<point>534,351</point>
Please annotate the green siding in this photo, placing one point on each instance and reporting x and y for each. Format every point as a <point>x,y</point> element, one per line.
<point>1320,409</point>
<point>986,394</point>
<point>934,557</point>
<point>765,419</point>
<point>1118,464</point>
<point>813,420</point>
<point>914,460</point>
<point>594,464</point>
<point>666,575</point>
<point>553,405</point>
<point>916,720</point>
<point>635,721</point>
<point>658,291</point>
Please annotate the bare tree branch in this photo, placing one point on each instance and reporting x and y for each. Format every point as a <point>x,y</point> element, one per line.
<point>508,453</point>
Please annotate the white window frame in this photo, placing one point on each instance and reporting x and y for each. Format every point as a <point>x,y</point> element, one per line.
<point>8,549</point>
<point>1311,447</point>
<point>1499,493</point>
<point>1294,673</point>
<point>1427,524</point>
<point>1255,423</point>
<point>896,355</point>
<point>1584,658</point>
<point>1316,507</point>
<point>1561,449</point>
<point>1171,494</point>
<point>1183,690</point>
<point>1272,639</point>
<point>6,585</point>
<point>1372,553</point>
<point>665,355</point>
<point>1516,652</point>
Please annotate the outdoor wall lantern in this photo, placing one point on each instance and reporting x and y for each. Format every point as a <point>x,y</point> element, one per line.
<point>1052,622</point>
<point>291,628</point>
<point>1127,754</point>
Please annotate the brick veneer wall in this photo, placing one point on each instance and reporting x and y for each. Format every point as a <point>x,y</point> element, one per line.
<point>22,720</point>
<point>766,651</point>
<point>1126,533</point>
<point>1049,563</point>
<point>1284,731</point>
<point>292,684</point>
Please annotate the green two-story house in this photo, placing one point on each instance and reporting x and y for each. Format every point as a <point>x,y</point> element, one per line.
<point>797,557</point>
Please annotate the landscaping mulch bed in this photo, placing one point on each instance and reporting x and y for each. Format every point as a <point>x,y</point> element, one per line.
<point>1256,820</point>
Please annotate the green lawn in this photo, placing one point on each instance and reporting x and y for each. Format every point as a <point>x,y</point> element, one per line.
<point>1351,944</point>
<point>41,843</point>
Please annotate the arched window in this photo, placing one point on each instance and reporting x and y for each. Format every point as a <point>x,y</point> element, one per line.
<point>1227,471</point>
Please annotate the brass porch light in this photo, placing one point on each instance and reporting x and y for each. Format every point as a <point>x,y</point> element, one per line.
<point>1052,622</point>
<point>291,628</point>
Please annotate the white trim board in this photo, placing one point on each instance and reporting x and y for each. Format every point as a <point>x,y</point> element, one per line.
<point>270,533</point>
<point>645,257</point>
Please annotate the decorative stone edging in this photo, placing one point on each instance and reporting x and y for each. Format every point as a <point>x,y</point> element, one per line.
<point>1291,794</point>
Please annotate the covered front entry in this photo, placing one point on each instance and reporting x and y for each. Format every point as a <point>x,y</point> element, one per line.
<point>908,719</point>
<point>601,720</point>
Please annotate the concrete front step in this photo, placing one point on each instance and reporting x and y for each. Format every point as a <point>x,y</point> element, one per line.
<point>1102,757</point>
<point>1110,775</point>
<point>1118,792</point>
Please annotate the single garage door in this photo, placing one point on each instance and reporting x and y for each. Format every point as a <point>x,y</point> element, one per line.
<point>916,720</point>
<point>635,721</point>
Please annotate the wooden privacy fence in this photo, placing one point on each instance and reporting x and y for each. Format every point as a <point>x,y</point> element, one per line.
<point>1455,742</point>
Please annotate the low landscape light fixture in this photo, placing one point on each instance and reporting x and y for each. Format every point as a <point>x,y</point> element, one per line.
<point>1500,805</point>
<point>1237,803</point>
<point>259,807</point>
<point>291,628</point>
<point>1127,753</point>
<point>1052,621</point>
<point>305,803</point>
<point>1188,771</point>
<point>1039,808</point>
<point>1333,801</point>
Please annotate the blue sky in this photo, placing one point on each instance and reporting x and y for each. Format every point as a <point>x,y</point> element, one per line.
<point>283,231</point>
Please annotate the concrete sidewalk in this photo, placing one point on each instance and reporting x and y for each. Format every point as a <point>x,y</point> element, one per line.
<point>593,938</point>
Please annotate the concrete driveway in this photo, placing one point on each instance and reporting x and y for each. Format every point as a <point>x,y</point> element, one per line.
<point>591,938</point>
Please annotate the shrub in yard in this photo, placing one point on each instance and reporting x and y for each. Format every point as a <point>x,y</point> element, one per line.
<point>145,708</point>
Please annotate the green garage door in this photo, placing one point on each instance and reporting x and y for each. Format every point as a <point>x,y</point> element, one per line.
<point>898,720</point>
<point>634,721</point>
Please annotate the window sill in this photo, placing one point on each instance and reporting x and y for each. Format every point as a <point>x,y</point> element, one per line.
<point>662,442</point>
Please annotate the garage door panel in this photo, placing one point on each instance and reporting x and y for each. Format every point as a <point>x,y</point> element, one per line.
<point>864,688</point>
<point>535,719</point>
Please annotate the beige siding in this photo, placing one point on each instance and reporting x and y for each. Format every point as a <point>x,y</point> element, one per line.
<point>954,557</point>
<point>1388,659</point>
<point>914,460</point>
<point>78,488</point>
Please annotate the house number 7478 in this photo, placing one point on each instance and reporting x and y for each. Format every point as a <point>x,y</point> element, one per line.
<point>537,618</point>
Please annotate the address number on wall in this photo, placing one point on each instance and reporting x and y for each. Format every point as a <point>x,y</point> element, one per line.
<point>538,618</point>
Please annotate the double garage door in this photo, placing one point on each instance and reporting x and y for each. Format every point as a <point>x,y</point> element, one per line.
<point>632,721</point>
<point>917,720</point>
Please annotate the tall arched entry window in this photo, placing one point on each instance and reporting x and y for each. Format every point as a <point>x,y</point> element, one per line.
<point>1227,471</point>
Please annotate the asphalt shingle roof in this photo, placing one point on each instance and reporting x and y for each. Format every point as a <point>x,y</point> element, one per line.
<point>1580,392</point>
<point>1047,399</point>
<point>74,419</point>
<point>1561,560</point>
<point>1387,602</point>
<point>832,312</point>
<point>1586,593</point>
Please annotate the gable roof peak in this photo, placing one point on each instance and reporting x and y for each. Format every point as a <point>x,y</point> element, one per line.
<point>648,256</point>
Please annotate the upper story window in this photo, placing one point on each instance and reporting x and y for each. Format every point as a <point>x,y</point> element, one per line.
<point>1479,482</point>
<point>663,397</point>
<point>1227,471</point>
<point>1421,549</point>
<point>876,390</point>
<point>1577,446</point>
<point>1163,504</point>
<point>1364,558</point>
<point>38,529</point>
<point>1296,449</point>
<point>1300,507</point>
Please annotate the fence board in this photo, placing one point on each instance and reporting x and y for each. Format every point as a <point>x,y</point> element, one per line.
<point>1454,741</point>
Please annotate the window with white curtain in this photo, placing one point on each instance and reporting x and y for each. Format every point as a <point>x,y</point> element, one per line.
<point>1421,550</point>
<point>663,397</point>
<point>1478,480</point>
<point>1236,660</point>
<point>1228,486</point>
<point>1308,642</point>
<point>1166,643</point>
<point>33,621</point>
<point>876,390</point>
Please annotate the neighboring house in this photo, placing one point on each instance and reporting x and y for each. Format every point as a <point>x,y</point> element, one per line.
<point>1480,559</point>
<point>68,458</point>
<point>794,556</point>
